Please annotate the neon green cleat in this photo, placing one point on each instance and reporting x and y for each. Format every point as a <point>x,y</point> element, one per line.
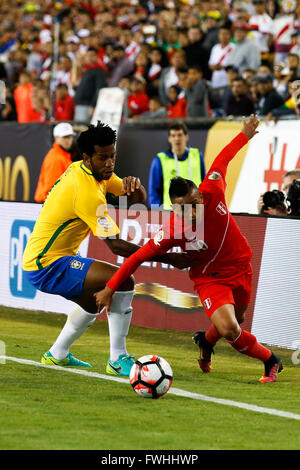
<point>121,367</point>
<point>69,361</point>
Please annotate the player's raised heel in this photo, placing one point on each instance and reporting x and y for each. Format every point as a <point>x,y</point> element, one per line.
<point>121,367</point>
<point>69,361</point>
<point>273,366</point>
<point>206,350</point>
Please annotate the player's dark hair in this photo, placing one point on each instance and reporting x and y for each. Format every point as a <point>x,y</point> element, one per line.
<point>101,135</point>
<point>180,187</point>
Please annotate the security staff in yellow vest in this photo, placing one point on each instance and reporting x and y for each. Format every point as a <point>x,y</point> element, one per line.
<point>178,160</point>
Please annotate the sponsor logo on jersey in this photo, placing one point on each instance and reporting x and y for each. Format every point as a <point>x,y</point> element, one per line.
<point>158,237</point>
<point>214,176</point>
<point>207,303</point>
<point>221,208</point>
<point>105,223</point>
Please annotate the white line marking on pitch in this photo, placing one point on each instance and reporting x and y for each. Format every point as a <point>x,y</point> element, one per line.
<point>173,391</point>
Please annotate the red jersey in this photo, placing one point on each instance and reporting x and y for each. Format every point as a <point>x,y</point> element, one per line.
<point>64,109</point>
<point>220,247</point>
<point>138,104</point>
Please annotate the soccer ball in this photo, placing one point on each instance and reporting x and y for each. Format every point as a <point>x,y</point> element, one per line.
<point>151,376</point>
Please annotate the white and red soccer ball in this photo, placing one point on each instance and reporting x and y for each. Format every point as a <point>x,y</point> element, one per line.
<point>151,376</point>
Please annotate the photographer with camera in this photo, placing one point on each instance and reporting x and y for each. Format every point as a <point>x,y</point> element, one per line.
<point>294,198</point>
<point>282,203</point>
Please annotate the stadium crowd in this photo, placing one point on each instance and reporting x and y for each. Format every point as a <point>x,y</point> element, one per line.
<point>173,58</point>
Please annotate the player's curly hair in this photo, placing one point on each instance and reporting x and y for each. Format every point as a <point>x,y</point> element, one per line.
<point>180,187</point>
<point>101,135</point>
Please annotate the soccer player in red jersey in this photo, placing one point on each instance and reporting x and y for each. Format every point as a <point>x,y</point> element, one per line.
<point>221,269</point>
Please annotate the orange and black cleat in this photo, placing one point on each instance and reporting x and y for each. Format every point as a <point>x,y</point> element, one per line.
<point>272,367</point>
<point>206,350</point>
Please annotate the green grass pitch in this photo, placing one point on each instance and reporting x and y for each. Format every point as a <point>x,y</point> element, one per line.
<point>42,408</point>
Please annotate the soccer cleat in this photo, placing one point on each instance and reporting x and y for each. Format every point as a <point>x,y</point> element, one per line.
<point>122,366</point>
<point>206,350</point>
<point>69,361</point>
<point>272,367</point>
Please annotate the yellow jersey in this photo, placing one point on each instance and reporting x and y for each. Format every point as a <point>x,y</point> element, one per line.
<point>75,206</point>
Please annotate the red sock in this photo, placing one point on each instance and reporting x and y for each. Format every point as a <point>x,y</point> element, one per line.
<point>212,335</point>
<point>247,344</point>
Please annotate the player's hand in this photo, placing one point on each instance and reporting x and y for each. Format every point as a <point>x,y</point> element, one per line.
<point>104,299</point>
<point>130,184</point>
<point>250,126</point>
<point>181,260</point>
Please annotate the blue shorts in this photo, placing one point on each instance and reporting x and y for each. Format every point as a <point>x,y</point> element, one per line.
<point>64,277</point>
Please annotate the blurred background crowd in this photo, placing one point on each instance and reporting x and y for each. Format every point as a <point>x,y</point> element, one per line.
<point>173,58</point>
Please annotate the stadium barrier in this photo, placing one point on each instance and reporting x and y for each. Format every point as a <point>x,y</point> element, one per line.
<point>164,296</point>
<point>24,146</point>
<point>258,168</point>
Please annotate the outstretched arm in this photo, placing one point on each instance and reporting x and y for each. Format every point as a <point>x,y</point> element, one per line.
<point>228,153</point>
<point>124,248</point>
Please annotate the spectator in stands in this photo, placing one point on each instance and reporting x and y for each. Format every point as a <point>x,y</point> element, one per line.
<point>261,25</point>
<point>138,100</point>
<point>23,97</point>
<point>169,75</point>
<point>280,82</point>
<point>64,74</point>
<point>64,105</point>
<point>283,28</point>
<point>56,161</point>
<point>86,94</point>
<point>269,98</point>
<point>178,159</point>
<point>295,49</point>
<point>239,103</point>
<point>246,53</point>
<point>264,69</point>
<point>218,59</point>
<point>8,108</point>
<point>3,73</point>
<point>141,64</point>
<point>196,93</point>
<point>38,111</point>
<point>292,104</point>
<point>157,62</point>
<point>156,110</point>
<point>291,71</point>
<point>177,107</point>
<point>232,73</point>
<point>248,75</point>
<point>196,53</point>
<point>119,66</point>
<point>211,26</point>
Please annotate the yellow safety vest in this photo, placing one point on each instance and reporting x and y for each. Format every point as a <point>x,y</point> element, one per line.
<point>190,168</point>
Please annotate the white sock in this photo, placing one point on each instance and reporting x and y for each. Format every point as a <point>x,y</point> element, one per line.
<point>77,323</point>
<point>119,323</point>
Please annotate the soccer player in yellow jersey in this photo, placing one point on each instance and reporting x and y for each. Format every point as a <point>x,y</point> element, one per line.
<point>75,206</point>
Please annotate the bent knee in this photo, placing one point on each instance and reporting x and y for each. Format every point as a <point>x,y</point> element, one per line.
<point>229,331</point>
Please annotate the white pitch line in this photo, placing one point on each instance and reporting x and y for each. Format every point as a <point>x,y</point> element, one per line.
<point>173,391</point>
